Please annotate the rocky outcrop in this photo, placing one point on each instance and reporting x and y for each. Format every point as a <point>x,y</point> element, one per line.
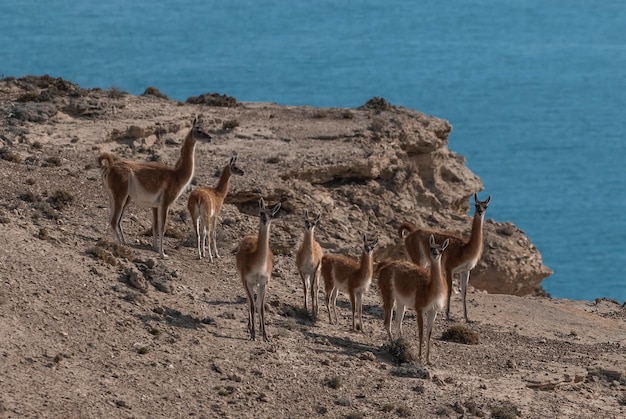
<point>366,170</point>
<point>381,168</point>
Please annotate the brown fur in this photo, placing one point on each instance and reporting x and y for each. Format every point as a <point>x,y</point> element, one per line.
<point>405,284</point>
<point>205,204</point>
<point>309,262</point>
<point>342,273</point>
<point>149,184</point>
<point>254,263</point>
<point>461,256</point>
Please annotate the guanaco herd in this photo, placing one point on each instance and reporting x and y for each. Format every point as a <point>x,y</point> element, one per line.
<point>403,284</point>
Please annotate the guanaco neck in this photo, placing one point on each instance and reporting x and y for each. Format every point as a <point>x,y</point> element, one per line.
<point>185,163</point>
<point>263,242</point>
<point>309,239</point>
<point>222,185</point>
<point>437,279</point>
<point>367,265</point>
<point>475,244</point>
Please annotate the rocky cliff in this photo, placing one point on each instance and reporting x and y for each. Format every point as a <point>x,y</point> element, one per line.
<point>365,170</point>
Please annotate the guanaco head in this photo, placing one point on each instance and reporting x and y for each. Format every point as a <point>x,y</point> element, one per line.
<point>311,223</point>
<point>369,245</point>
<point>405,229</point>
<point>481,206</point>
<point>266,214</point>
<point>437,250</point>
<point>197,133</point>
<point>232,166</point>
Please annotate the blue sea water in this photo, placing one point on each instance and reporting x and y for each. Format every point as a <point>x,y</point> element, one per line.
<point>535,89</point>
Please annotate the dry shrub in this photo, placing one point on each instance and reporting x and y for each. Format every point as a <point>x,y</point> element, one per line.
<point>213,99</point>
<point>102,254</point>
<point>377,104</point>
<point>334,382</point>
<point>53,161</point>
<point>401,410</point>
<point>461,334</point>
<point>60,200</point>
<point>46,209</point>
<point>404,411</point>
<point>320,113</point>
<point>230,124</point>
<point>43,234</point>
<point>116,93</point>
<point>110,252</point>
<point>347,114</point>
<point>28,97</point>
<point>153,91</point>
<point>30,196</point>
<point>403,352</point>
<point>8,155</point>
<point>47,82</point>
<point>505,410</point>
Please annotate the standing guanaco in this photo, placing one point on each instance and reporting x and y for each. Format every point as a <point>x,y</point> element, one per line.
<point>309,262</point>
<point>254,263</point>
<point>405,284</point>
<point>205,204</point>
<point>149,184</point>
<point>462,255</point>
<point>343,273</point>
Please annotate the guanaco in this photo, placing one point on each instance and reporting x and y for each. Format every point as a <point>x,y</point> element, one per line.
<point>309,262</point>
<point>254,263</point>
<point>205,204</point>
<point>343,273</point>
<point>149,184</point>
<point>462,255</point>
<point>405,284</point>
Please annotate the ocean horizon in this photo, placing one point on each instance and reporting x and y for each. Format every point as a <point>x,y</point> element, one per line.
<point>534,90</point>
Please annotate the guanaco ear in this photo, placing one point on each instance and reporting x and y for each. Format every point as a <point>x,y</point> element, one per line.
<point>374,243</point>
<point>261,204</point>
<point>195,121</point>
<point>233,159</point>
<point>445,244</point>
<point>306,214</point>
<point>275,209</point>
<point>475,197</point>
<point>431,240</point>
<point>488,199</point>
<point>318,219</point>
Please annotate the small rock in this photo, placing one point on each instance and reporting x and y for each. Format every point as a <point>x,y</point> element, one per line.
<point>136,278</point>
<point>368,356</point>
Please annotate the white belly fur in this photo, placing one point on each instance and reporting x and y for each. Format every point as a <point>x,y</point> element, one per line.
<point>467,266</point>
<point>405,300</point>
<point>143,197</point>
